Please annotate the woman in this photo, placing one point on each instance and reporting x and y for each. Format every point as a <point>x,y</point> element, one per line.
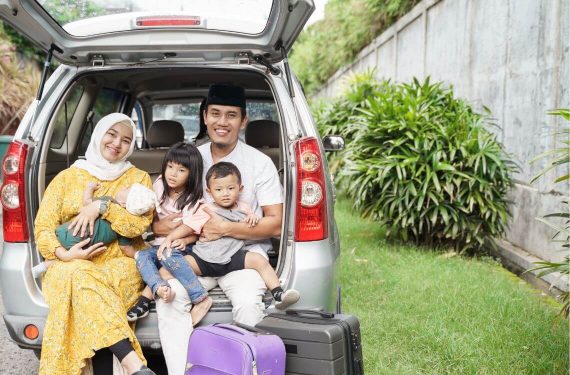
<point>89,288</point>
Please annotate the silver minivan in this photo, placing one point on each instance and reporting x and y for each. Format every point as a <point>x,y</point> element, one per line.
<point>155,61</point>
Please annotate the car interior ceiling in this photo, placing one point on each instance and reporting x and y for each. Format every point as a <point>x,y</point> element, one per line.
<point>148,86</point>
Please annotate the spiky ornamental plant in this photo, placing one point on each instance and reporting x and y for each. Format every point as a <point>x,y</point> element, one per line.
<point>336,117</point>
<point>559,161</point>
<point>424,164</point>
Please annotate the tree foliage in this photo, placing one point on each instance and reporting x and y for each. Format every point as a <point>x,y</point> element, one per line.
<point>18,84</point>
<point>63,12</point>
<point>348,26</point>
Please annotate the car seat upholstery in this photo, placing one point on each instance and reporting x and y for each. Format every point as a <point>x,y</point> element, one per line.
<point>160,136</point>
<point>264,136</point>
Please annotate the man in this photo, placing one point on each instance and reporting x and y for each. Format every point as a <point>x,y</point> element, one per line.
<point>225,116</point>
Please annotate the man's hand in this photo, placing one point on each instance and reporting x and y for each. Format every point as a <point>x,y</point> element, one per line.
<point>78,252</point>
<point>173,221</point>
<point>167,224</point>
<point>84,222</point>
<point>214,228</point>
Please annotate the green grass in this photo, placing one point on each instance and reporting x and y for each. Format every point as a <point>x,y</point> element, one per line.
<point>424,312</point>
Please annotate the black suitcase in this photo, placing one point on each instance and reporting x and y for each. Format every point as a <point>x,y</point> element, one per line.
<point>317,342</point>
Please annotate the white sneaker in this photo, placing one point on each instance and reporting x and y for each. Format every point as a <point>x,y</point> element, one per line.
<point>288,298</point>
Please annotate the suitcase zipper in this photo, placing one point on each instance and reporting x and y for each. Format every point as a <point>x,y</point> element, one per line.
<point>253,363</point>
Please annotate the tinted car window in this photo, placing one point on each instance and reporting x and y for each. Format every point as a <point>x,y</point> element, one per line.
<point>186,113</point>
<point>108,101</point>
<point>262,111</point>
<point>60,126</point>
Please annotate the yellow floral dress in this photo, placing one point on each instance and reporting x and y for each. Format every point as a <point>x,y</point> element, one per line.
<point>87,299</point>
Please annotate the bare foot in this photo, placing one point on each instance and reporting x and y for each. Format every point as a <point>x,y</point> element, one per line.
<point>166,293</point>
<point>200,310</point>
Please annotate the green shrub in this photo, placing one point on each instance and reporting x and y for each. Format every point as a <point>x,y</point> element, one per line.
<point>337,117</point>
<point>424,164</point>
<point>560,158</point>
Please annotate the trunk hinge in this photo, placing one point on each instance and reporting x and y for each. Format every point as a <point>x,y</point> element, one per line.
<point>270,68</point>
<point>242,58</point>
<point>45,72</point>
<point>98,60</point>
<point>287,72</point>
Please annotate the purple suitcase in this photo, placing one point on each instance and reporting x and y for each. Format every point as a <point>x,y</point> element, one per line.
<point>234,350</point>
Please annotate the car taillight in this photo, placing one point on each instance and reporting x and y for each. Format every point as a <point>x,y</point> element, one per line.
<point>13,193</point>
<point>311,222</point>
<point>161,21</point>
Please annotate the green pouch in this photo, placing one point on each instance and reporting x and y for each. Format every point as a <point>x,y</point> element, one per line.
<point>102,233</point>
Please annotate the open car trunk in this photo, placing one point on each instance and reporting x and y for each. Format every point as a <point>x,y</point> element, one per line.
<point>134,31</point>
<point>151,95</point>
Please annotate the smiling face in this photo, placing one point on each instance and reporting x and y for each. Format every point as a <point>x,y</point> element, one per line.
<point>225,190</point>
<point>116,142</point>
<point>224,124</point>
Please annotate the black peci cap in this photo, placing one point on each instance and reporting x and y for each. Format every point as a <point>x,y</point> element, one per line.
<point>226,95</point>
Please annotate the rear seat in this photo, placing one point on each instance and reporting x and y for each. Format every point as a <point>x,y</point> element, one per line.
<point>160,136</point>
<point>264,136</point>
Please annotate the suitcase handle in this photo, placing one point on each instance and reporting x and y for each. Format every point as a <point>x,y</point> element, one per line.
<point>230,327</point>
<point>321,313</point>
<point>241,328</point>
<point>251,329</point>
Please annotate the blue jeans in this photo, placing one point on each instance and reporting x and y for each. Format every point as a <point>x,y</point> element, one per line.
<point>148,265</point>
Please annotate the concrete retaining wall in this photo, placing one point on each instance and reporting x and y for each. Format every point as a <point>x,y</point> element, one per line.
<point>511,56</point>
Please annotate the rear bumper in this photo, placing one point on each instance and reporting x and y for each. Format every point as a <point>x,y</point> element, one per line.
<point>16,326</point>
<point>146,329</point>
<point>312,273</point>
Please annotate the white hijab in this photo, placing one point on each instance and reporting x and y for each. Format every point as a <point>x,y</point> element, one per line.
<point>94,162</point>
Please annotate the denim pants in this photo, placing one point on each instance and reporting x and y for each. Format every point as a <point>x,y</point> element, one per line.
<point>148,265</point>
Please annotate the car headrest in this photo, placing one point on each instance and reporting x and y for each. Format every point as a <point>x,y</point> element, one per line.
<point>165,133</point>
<point>262,133</point>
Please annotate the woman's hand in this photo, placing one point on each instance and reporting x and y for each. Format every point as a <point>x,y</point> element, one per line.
<point>78,252</point>
<point>85,219</point>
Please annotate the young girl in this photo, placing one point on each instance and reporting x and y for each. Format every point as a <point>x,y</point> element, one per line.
<point>219,257</point>
<point>179,191</point>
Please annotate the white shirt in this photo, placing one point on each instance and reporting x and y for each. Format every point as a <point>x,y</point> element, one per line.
<point>259,177</point>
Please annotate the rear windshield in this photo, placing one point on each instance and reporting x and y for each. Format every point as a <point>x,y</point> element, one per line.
<point>92,17</point>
